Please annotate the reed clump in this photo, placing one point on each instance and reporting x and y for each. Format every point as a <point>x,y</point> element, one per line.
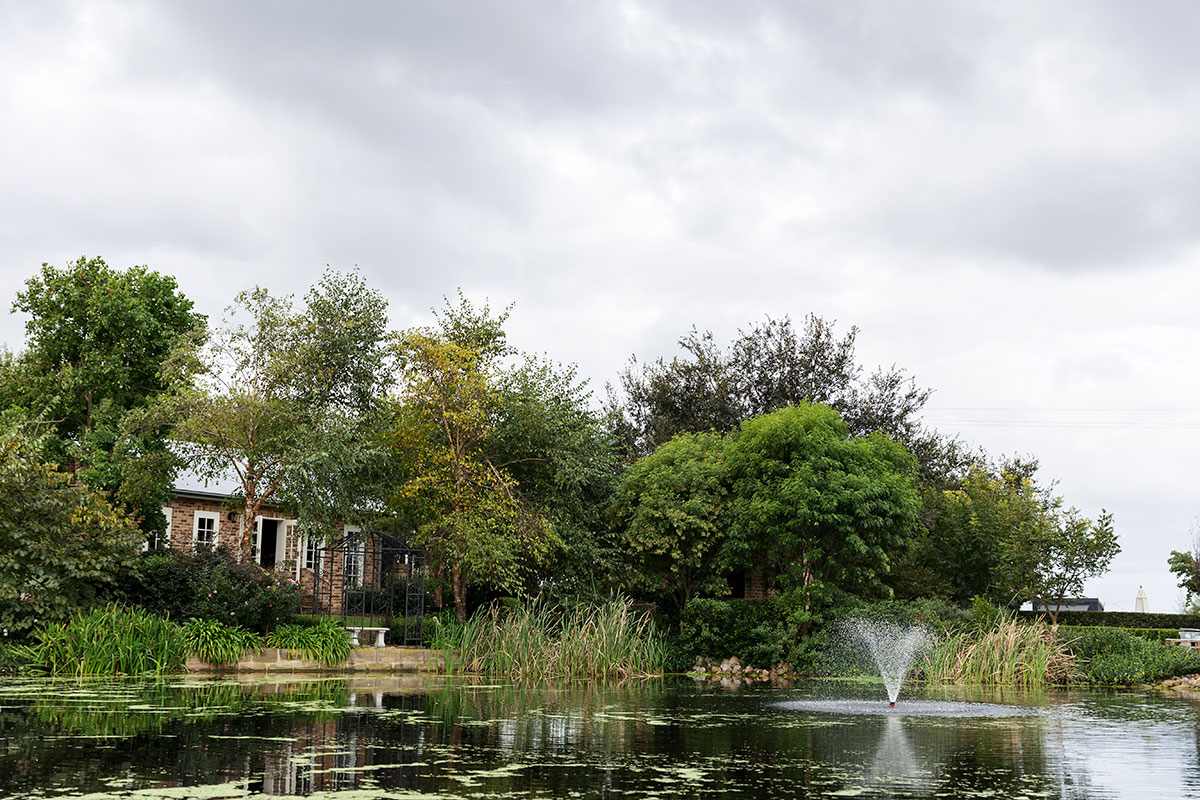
<point>113,640</point>
<point>1007,653</point>
<point>541,642</point>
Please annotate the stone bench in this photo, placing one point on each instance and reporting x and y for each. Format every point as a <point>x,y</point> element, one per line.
<point>357,630</point>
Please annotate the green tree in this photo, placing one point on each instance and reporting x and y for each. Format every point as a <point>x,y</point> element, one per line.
<point>767,367</point>
<point>1186,566</point>
<point>820,509</point>
<point>560,451</point>
<point>290,403</point>
<point>960,554</point>
<point>467,511</point>
<point>96,341</point>
<point>1055,562</point>
<point>671,509</point>
<point>60,541</point>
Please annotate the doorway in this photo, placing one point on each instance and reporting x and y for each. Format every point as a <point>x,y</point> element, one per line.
<point>268,538</point>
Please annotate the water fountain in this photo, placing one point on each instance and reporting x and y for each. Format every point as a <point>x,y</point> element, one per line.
<point>893,648</point>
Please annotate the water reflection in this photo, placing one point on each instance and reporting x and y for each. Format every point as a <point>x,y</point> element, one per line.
<point>458,738</point>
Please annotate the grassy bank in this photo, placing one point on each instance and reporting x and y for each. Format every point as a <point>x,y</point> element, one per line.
<point>1018,653</point>
<point>118,640</point>
<point>538,641</point>
<point>1008,653</point>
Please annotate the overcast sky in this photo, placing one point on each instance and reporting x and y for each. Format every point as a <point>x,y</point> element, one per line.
<point>1004,197</point>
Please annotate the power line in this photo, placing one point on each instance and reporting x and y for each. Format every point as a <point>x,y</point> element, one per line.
<point>1099,424</point>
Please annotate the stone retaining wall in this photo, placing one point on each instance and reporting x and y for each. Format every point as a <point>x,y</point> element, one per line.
<point>362,659</point>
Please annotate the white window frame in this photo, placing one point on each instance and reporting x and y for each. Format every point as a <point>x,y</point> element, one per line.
<point>305,544</point>
<point>353,555</point>
<point>215,516</point>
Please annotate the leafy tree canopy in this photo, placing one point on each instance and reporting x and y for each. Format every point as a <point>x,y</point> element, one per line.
<point>671,509</point>
<point>60,540</point>
<point>822,510</point>
<point>1056,564</point>
<point>96,342</point>
<point>467,512</point>
<point>290,403</point>
<point>768,367</point>
<point>491,436</point>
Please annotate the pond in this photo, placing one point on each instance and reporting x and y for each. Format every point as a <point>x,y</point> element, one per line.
<point>674,738</point>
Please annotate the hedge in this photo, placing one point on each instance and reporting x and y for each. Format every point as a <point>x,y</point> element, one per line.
<point>752,629</point>
<point>1119,619</point>
<point>1158,635</point>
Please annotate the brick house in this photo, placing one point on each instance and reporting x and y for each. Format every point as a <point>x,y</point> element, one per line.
<point>205,519</point>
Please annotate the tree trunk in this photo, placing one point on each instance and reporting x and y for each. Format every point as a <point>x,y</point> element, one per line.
<point>440,575</point>
<point>460,592</point>
<point>246,531</point>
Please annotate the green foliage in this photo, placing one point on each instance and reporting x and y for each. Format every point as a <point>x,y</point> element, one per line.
<point>985,613</point>
<point>1186,568</point>
<point>1001,537</point>
<point>754,630</point>
<point>467,508</point>
<point>1008,653</point>
<point>563,458</point>
<point>210,585</point>
<point>964,547</point>
<point>541,642</point>
<point>1120,619</point>
<point>327,642</point>
<point>1156,635</point>
<point>1118,657</point>
<point>217,644</point>
<point>113,640</point>
<point>1055,562</point>
<point>14,658</point>
<point>96,341</point>
<point>819,509</point>
<point>292,400</point>
<point>671,510</point>
<point>442,631</point>
<point>241,594</point>
<point>768,367</point>
<point>60,541</point>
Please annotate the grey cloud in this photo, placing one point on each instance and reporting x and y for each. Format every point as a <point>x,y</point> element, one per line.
<point>1060,215</point>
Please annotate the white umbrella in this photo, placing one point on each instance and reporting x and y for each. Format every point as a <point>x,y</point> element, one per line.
<point>1140,605</point>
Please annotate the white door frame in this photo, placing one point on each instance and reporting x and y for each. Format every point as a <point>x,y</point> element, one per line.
<point>281,531</point>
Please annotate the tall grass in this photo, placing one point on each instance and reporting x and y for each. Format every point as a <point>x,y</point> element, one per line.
<point>538,642</point>
<point>113,640</point>
<point>1008,653</point>
<point>220,646</point>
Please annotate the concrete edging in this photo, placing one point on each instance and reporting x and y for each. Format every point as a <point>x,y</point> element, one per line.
<point>362,659</point>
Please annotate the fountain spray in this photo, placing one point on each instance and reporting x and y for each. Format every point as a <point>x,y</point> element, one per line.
<point>892,647</point>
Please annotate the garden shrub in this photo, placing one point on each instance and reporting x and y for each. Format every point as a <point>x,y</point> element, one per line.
<point>1119,619</point>
<point>327,642</point>
<point>212,585</point>
<point>14,658</point>
<point>218,644</point>
<point>1156,635</point>
<point>1118,657</point>
<point>754,630</point>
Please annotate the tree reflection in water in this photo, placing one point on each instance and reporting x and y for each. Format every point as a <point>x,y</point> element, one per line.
<point>458,738</point>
